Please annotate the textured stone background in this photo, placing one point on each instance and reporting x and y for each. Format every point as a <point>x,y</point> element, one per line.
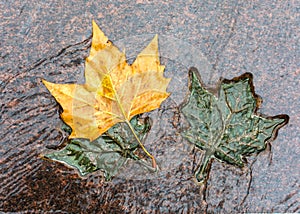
<point>50,39</point>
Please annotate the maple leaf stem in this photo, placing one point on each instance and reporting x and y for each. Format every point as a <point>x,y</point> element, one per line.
<point>142,146</point>
<point>203,170</point>
<point>132,129</point>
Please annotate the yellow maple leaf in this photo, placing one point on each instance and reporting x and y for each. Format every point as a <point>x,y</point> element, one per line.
<point>114,91</point>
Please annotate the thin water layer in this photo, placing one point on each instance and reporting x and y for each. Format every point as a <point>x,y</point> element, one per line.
<point>33,183</point>
<point>30,123</point>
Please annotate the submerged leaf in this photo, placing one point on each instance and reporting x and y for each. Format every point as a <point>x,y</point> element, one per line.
<point>227,126</point>
<point>107,153</point>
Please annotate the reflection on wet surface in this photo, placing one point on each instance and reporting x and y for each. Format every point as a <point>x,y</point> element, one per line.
<point>30,122</point>
<point>30,183</point>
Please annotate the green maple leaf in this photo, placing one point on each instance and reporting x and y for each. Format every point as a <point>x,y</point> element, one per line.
<point>108,153</point>
<point>227,126</point>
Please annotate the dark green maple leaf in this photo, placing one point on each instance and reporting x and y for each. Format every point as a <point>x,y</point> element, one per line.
<point>227,126</point>
<point>107,153</point>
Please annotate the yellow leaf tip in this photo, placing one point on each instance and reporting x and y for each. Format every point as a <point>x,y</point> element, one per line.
<point>155,39</point>
<point>45,82</point>
<point>95,26</point>
<point>96,30</point>
<point>99,40</point>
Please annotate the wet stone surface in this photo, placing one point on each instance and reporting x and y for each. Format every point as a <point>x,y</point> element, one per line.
<point>223,38</point>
